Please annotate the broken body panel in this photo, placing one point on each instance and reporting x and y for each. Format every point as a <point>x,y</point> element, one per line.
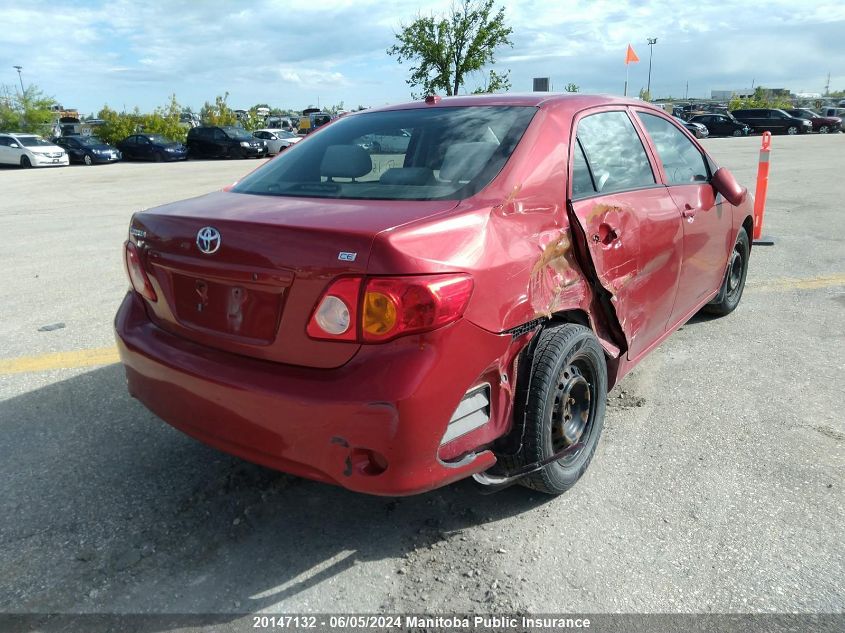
<point>632,265</point>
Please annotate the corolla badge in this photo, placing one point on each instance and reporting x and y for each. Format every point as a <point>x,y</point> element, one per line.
<point>208,240</point>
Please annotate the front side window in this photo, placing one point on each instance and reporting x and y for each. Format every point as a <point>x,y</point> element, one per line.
<point>682,161</point>
<point>614,152</point>
<point>438,153</point>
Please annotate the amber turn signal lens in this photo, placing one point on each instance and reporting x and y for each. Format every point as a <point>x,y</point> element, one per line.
<point>379,313</point>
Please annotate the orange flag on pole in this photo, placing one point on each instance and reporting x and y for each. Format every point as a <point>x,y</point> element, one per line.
<point>631,56</point>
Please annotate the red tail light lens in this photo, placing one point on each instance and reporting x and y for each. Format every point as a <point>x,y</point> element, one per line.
<point>137,275</point>
<point>390,307</point>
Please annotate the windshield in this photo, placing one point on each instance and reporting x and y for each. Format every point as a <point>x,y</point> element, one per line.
<point>419,154</point>
<point>285,134</point>
<point>238,133</point>
<point>88,141</point>
<point>158,138</point>
<point>32,141</point>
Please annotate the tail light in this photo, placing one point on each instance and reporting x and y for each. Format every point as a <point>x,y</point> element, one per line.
<point>137,275</point>
<point>379,309</point>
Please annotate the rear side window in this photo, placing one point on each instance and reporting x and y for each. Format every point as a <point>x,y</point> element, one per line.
<point>582,181</point>
<point>614,152</point>
<point>682,161</point>
<point>439,153</point>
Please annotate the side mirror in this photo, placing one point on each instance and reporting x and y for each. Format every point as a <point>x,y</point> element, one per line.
<point>14,145</point>
<point>724,183</point>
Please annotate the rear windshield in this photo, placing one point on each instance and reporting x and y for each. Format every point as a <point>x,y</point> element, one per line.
<point>421,154</point>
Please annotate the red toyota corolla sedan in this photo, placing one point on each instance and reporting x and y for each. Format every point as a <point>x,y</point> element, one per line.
<point>432,291</point>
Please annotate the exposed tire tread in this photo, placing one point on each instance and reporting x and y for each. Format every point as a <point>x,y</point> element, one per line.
<point>724,306</point>
<point>555,346</point>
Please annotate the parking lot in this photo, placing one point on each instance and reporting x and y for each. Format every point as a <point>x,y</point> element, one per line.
<point>718,484</point>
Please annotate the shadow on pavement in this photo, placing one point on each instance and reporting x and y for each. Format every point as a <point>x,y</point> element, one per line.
<point>106,509</point>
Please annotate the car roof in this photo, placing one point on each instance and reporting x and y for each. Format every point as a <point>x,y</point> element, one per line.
<point>574,102</point>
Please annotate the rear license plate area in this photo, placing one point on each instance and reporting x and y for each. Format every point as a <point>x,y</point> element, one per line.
<point>245,311</point>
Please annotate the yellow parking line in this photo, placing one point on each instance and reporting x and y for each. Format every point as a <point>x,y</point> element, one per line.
<point>59,360</point>
<point>811,283</point>
<point>108,355</point>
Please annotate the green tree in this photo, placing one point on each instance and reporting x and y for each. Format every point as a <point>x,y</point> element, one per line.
<point>645,95</point>
<point>29,111</point>
<point>572,87</point>
<point>335,109</point>
<point>116,125</point>
<point>447,48</point>
<point>163,120</point>
<point>761,98</point>
<point>218,113</point>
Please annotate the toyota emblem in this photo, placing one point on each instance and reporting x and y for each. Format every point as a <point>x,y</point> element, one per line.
<point>208,240</point>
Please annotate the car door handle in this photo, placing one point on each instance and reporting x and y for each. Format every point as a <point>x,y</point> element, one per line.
<point>688,212</point>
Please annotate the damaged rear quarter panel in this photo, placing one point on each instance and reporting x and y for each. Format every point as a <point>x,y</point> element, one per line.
<point>513,237</point>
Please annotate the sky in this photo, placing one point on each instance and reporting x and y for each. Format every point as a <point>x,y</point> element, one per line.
<point>296,54</point>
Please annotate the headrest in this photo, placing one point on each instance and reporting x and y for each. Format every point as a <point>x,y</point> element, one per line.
<point>463,161</point>
<point>345,161</point>
<point>407,176</point>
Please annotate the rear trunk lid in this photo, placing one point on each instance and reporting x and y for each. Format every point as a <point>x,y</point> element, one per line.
<point>254,292</point>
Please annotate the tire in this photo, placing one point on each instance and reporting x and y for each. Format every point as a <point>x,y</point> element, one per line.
<point>792,130</point>
<point>568,378</point>
<point>734,283</point>
<point>87,159</point>
<point>824,129</point>
<point>25,162</point>
<point>736,133</point>
<point>158,157</point>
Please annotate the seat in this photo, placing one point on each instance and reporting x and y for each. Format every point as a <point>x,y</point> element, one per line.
<point>345,161</point>
<point>464,161</point>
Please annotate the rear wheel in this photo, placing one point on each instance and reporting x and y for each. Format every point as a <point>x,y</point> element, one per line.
<point>792,130</point>
<point>734,283</point>
<point>87,159</point>
<point>25,162</point>
<point>565,405</point>
<point>824,129</point>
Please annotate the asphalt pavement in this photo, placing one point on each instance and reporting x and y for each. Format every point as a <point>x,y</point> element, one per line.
<point>717,486</point>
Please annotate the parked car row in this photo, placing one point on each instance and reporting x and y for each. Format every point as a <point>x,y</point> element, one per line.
<point>743,122</point>
<point>31,150</point>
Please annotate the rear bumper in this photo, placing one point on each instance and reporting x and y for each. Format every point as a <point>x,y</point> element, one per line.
<point>393,401</point>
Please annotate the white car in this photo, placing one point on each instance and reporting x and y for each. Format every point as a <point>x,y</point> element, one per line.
<point>277,140</point>
<point>30,150</point>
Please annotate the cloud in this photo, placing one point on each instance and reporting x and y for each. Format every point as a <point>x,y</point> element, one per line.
<point>291,53</point>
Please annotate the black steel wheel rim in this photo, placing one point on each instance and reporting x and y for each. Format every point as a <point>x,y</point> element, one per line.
<point>735,272</point>
<point>573,413</point>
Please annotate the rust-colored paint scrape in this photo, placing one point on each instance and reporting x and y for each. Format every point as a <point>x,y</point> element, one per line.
<point>555,278</point>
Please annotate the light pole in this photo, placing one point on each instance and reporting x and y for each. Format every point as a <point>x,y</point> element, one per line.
<point>19,69</point>
<point>651,42</point>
